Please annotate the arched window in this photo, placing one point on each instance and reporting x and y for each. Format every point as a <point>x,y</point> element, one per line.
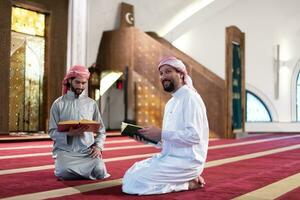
<point>298,98</point>
<point>257,111</point>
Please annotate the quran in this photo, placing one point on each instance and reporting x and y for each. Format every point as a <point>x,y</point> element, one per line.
<point>131,130</point>
<point>64,126</point>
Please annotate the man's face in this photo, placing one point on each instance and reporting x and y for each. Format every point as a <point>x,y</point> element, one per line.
<point>170,78</point>
<point>77,85</point>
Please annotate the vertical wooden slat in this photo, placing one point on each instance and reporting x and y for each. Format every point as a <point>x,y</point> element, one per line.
<point>233,34</point>
<point>5,38</point>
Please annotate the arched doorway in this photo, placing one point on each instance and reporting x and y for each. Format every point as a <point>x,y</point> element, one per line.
<point>26,70</point>
<point>35,83</point>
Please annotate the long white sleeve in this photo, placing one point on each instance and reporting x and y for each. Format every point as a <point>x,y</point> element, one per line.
<point>191,131</point>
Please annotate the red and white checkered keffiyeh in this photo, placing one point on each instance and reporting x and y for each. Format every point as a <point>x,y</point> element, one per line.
<point>179,66</point>
<point>75,72</point>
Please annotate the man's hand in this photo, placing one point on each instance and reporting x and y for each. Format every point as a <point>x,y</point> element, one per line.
<point>78,131</point>
<point>152,133</point>
<point>140,139</point>
<point>95,152</point>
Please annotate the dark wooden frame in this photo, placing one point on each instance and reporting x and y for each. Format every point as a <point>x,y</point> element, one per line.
<point>234,35</point>
<point>55,53</point>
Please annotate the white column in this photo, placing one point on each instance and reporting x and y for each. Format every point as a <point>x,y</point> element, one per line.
<point>77,33</point>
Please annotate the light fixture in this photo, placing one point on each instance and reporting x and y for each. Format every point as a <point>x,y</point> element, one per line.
<point>277,69</point>
<point>281,70</point>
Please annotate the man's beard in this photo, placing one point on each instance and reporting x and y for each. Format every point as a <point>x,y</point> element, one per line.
<point>76,91</point>
<point>170,87</point>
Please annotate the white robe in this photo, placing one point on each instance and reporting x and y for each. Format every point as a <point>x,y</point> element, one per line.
<point>72,153</point>
<point>184,148</point>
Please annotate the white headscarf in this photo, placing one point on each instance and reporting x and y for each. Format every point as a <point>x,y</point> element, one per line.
<point>179,66</point>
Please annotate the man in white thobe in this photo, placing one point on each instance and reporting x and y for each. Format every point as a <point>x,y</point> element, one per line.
<point>77,154</point>
<point>183,138</point>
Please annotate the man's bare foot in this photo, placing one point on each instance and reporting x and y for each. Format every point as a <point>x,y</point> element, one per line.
<point>196,183</point>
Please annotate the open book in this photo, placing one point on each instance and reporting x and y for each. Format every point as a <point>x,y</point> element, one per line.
<point>64,126</point>
<point>132,130</point>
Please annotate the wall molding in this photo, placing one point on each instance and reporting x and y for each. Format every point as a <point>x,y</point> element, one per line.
<point>272,127</point>
<point>293,89</point>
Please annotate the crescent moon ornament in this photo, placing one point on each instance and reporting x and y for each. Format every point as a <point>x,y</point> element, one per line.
<point>129,18</point>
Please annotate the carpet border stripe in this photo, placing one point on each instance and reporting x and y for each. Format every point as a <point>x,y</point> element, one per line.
<point>274,190</point>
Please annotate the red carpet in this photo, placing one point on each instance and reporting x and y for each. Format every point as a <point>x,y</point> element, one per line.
<point>223,182</point>
<point>293,195</point>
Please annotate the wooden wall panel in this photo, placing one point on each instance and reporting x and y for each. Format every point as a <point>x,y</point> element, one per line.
<point>5,21</point>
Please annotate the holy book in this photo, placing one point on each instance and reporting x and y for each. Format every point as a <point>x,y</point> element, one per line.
<point>65,126</point>
<point>131,130</point>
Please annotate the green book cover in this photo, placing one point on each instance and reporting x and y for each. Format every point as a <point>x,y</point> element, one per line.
<point>132,130</point>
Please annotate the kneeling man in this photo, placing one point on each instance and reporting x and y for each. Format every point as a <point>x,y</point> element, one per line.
<point>183,138</point>
<point>77,154</point>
